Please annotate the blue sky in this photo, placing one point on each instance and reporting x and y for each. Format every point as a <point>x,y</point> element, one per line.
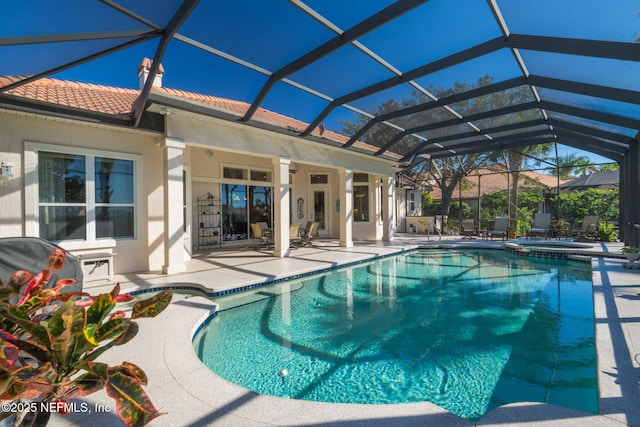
<point>271,33</point>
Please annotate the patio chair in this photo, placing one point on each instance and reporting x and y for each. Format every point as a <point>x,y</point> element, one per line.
<point>500,228</point>
<point>541,225</point>
<point>294,235</point>
<point>588,227</point>
<point>309,233</point>
<point>264,237</point>
<point>468,228</point>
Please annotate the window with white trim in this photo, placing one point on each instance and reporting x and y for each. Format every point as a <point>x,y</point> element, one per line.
<point>361,197</point>
<point>85,196</point>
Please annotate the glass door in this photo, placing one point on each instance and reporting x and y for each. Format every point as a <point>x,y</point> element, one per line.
<point>234,212</point>
<point>320,210</point>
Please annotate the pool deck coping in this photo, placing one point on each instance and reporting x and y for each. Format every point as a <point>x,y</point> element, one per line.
<point>192,395</point>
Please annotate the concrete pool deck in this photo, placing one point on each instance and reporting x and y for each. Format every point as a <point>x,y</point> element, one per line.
<point>192,395</point>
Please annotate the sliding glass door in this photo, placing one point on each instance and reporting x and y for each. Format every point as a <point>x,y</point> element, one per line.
<point>241,205</point>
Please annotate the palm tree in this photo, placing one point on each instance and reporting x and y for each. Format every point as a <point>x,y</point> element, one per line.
<point>514,161</point>
<point>573,165</point>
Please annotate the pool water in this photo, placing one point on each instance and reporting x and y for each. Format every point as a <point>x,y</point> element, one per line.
<point>467,330</point>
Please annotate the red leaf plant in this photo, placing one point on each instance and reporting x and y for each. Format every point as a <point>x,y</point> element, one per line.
<point>50,341</point>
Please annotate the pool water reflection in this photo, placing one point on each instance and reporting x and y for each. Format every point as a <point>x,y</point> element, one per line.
<point>468,330</point>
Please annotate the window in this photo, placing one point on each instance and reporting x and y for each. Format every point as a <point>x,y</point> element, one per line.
<point>84,197</point>
<point>62,196</point>
<point>361,198</point>
<point>262,176</point>
<point>360,177</point>
<point>319,179</point>
<point>361,203</point>
<point>114,198</point>
<point>234,173</point>
<point>412,202</point>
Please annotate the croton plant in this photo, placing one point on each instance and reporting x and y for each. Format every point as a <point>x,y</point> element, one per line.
<point>50,341</point>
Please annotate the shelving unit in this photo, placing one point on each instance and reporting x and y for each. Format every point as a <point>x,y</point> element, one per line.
<point>209,222</point>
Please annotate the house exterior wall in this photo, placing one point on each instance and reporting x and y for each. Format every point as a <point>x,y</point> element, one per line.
<point>234,144</point>
<point>209,145</point>
<point>18,131</point>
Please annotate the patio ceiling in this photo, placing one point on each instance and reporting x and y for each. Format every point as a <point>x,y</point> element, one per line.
<point>465,76</point>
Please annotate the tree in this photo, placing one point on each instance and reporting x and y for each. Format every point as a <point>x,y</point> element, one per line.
<point>449,172</point>
<point>514,162</point>
<point>573,165</point>
<point>576,205</point>
<point>609,167</point>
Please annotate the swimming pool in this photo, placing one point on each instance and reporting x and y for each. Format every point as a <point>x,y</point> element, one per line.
<point>468,330</point>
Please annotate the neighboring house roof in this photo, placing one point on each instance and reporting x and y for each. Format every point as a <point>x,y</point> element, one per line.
<point>119,102</point>
<point>489,181</point>
<point>609,179</point>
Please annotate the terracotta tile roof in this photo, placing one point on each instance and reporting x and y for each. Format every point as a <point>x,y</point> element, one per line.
<point>84,96</point>
<point>119,101</point>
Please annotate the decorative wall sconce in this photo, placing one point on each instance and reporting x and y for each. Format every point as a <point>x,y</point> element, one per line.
<point>6,169</point>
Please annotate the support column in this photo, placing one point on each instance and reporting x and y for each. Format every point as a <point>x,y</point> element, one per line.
<point>173,195</point>
<point>387,202</point>
<point>632,183</point>
<point>282,207</point>
<point>346,207</point>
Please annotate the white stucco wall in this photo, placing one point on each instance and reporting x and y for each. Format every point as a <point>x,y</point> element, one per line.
<point>210,145</point>
<point>141,254</point>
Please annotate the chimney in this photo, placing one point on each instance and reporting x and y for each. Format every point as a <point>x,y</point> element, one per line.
<point>143,73</point>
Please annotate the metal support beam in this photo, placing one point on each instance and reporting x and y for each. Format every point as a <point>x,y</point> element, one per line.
<point>177,20</point>
<point>451,60</point>
<point>582,47</point>
<point>371,23</point>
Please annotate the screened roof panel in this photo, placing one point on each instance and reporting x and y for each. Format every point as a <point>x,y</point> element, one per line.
<point>19,60</point>
<point>327,62</point>
<point>344,71</point>
<point>340,115</point>
<point>542,129</point>
<point>407,145</point>
<point>252,32</point>
<point>507,119</point>
<point>449,132</point>
<point>346,17</point>
<point>493,67</point>
<point>598,71</point>
<point>33,17</point>
<point>593,124</point>
<point>159,16</point>
<point>421,118</point>
<point>623,109</point>
<point>493,101</point>
<point>613,20</point>
<point>293,102</point>
<point>191,69</point>
<point>424,29</point>
<point>397,97</point>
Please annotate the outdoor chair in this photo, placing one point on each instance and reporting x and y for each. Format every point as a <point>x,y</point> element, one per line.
<point>500,228</point>
<point>264,237</point>
<point>541,225</point>
<point>468,228</point>
<point>588,227</point>
<point>294,235</point>
<point>309,233</point>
